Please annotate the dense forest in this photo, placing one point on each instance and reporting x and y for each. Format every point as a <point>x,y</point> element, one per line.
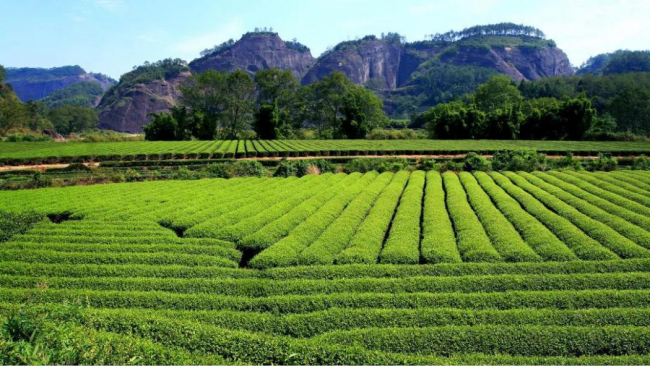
<point>25,119</point>
<point>273,105</point>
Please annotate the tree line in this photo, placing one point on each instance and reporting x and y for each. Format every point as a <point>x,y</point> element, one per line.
<point>503,109</point>
<point>36,116</point>
<point>273,104</point>
<point>499,29</point>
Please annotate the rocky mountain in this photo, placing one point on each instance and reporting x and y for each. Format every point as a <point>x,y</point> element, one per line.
<point>147,89</point>
<point>369,60</point>
<point>38,83</point>
<point>390,64</point>
<point>409,76</point>
<point>254,52</point>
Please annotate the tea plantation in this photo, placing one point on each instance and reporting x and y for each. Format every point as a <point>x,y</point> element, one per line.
<point>392,268</point>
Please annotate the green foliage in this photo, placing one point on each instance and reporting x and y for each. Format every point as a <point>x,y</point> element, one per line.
<point>17,223</point>
<point>162,127</point>
<point>475,162</point>
<point>498,92</point>
<point>378,165</point>
<point>604,162</point>
<point>299,168</point>
<point>73,118</point>
<point>641,163</point>
<point>84,94</point>
<point>238,169</point>
<point>519,160</point>
<point>619,62</point>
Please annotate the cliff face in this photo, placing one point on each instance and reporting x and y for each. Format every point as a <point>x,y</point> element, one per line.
<point>520,63</point>
<point>256,52</point>
<point>374,61</point>
<point>36,84</point>
<point>128,112</point>
<point>390,65</point>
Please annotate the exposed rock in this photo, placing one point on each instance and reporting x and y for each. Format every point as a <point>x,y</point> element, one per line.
<point>392,64</point>
<point>129,111</point>
<point>375,61</point>
<point>36,83</point>
<point>53,134</point>
<point>520,63</point>
<point>254,52</point>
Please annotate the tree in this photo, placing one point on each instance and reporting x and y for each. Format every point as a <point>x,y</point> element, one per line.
<point>162,127</point>
<point>276,103</point>
<point>11,113</point>
<point>3,74</point>
<point>498,92</point>
<point>362,112</point>
<point>631,109</point>
<point>239,103</point>
<point>203,95</point>
<point>73,118</point>
<point>322,102</point>
<point>36,116</point>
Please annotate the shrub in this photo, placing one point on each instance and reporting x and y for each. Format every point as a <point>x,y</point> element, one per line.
<point>641,163</point>
<point>379,165</point>
<point>475,162</point>
<point>247,168</point>
<point>605,162</point>
<point>516,160</point>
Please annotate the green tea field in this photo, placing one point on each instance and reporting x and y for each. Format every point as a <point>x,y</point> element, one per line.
<point>392,268</point>
<point>140,150</point>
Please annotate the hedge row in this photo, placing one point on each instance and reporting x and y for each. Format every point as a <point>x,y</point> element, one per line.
<point>607,236</point>
<point>78,345</point>
<point>621,184</point>
<point>312,324</point>
<point>520,340</point>
<point>48,256</point>
<point>281,227</point>
<point>614,186</point>
<point>438,238</point>
<point>323,272</point>
<point>285,252</point>
<point>580,243</point>
<point>603,200</point>
<point>473,243</point>
<point>636,180</point>
<point>212,250</point>
<point>620,224</point>
<point>260,201</point>
<point>135,240</point>
<point>535,234</point>
<point>269,214</point>
<point>504,237</point>
<point>229,201</point>
<point>264,288</point>
<point>337,236</point>
<point>403,243</point>
<point>285,304</point>
<point>366,244</point>
<point>225,191</point>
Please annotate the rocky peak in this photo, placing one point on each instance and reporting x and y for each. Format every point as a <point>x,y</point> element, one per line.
<point>366,61</point>
<point>257,51</point>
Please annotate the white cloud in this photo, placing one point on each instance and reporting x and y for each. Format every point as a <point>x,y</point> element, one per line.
<point>193,45</point>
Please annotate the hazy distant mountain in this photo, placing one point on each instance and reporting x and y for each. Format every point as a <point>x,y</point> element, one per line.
<point>38,83</point>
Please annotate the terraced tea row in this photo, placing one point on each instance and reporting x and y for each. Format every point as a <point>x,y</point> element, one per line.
<point>402,218</point>
<point>392,268</point>
<point>153,150</point>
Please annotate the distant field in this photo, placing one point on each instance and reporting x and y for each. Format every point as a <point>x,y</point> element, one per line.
<point>408,267</point>
<point>54,151</point>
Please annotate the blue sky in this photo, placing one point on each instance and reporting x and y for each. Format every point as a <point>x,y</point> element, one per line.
<point>111,36</point>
